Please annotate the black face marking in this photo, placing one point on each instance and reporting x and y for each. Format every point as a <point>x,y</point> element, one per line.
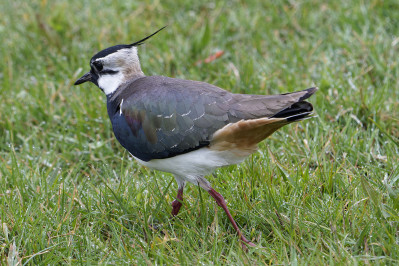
<point>94,77</point>
<point>109,72</point>
<point>98,65</point>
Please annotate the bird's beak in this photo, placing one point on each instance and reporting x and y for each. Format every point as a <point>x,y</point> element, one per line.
<point>83,79</point>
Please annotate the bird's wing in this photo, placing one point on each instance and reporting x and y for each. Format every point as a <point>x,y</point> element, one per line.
<point>167,117</point>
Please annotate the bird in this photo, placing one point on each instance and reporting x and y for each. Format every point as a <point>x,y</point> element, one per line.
<point>184,127</point>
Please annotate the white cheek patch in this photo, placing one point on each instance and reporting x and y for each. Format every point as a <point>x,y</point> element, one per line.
<point>109,83</point>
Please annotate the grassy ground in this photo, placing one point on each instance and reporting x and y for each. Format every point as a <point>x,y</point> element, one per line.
<point>325,191</point>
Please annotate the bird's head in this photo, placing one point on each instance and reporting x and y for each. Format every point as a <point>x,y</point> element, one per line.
<point>114,66</point>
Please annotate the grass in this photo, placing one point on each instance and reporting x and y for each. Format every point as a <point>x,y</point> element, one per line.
<point>325,191</point>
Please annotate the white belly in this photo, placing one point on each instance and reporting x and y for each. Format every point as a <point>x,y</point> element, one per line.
<point>194,164</point>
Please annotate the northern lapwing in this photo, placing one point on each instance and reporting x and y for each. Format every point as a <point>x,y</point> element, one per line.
<point>184,127</point>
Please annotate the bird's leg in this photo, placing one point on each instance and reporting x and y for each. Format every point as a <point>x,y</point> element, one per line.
<point>177,203</point>
<point>221,202</point>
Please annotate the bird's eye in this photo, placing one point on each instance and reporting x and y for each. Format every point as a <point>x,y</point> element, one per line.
<point>98,65</point>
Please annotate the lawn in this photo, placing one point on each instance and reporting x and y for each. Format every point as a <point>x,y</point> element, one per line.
<point>323,191</point>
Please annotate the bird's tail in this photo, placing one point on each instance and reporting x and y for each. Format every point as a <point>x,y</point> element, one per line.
<point>300,110</point>
<point>243,136</point>
<point>296,112</point>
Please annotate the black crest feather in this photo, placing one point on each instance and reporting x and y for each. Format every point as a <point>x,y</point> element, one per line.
<point>115,48</point>
<point>146,38</point>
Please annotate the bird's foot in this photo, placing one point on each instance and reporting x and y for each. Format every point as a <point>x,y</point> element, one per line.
<point>245,243</point>
<point>176,205</point>
<point>178,202</point>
